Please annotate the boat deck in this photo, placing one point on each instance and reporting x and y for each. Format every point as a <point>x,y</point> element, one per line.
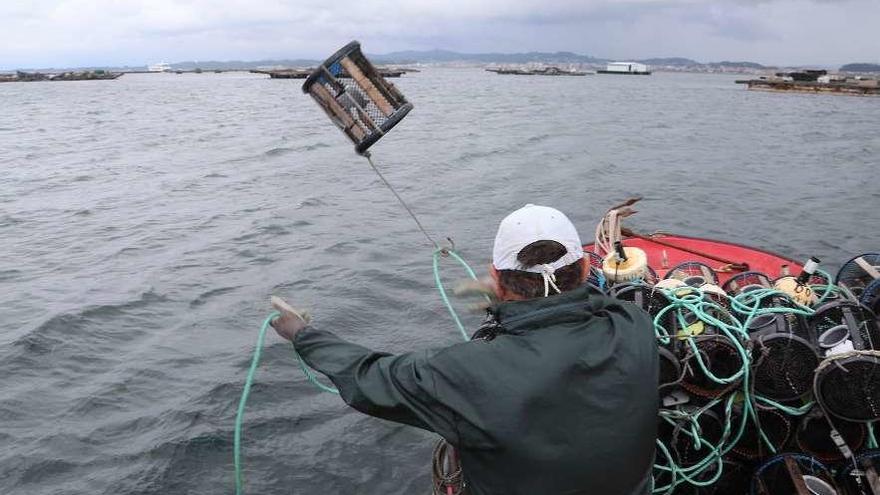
<point>665,251</point>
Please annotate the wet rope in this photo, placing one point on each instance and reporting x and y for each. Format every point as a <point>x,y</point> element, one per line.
<point>872,439</point>
<point>441,253</point>
<point>736,331</point>
<point>255,362</point>
<point>310,374</point>
<point>248,382</point>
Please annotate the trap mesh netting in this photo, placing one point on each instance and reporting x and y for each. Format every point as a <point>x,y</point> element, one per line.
<point>847,382</point>
<point>871,296</point>
<point>859,272</point>
<point>793,474</point>
<point>783,347</point>
<point>693,274</point>
<point>356,97</point>
<point>856,476</point>
<point>815,436</point>
<point>745,282</point>
<point>749,372</point>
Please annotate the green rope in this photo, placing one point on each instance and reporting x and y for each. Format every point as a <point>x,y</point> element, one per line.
<point>735,331</point>
<point>255,362</point>
<point>439,283</point>
<point>828,288</point>
<point>791,411</point>
<point>312,377</point>
<point>682,301</point>
<point>309,373</point>
<point>248,382</point>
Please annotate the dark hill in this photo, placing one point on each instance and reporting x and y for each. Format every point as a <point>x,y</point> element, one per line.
<point>742,65</point>
<point>445,56</point>
<point>670,61</point>
<point>860,67</point>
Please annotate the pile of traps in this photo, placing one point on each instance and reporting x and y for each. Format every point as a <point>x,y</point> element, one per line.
<point>767,387</point>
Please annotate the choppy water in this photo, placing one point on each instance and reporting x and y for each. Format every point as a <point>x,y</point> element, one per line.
<point>145,221</point>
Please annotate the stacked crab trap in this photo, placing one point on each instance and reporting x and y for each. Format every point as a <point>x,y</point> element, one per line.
<point>769,370</point>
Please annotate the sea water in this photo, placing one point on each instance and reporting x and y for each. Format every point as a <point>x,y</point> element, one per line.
<point>144,223</point>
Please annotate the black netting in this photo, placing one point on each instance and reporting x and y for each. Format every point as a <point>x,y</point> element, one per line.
<point>652,301</point>
<point>734,480</point>
<point>869,328</point>
<point>783,320</point>
<point>841,320</point>
<point>693,273</point>
<point>670,368</point>
<point>686,450</point>
<point>871,297</point>
<point>813,436</point>
<point>853,476</point>
<point>722,360</point>
<point>779,475</point>
<point>776,427</point>
<point>853,274</point>
<point>646,297</point>
<point>784,366</point>
<point>849,387</point>
<point>740,282</point>
<point>650,277</point>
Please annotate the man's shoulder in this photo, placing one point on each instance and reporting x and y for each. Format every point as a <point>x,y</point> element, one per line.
<point>467,356</point>
<point>601,302</point>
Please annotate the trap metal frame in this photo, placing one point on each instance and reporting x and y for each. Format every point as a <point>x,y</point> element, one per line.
<point>356,97</point>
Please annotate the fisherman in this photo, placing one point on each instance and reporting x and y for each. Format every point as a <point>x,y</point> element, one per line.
<point>557,394</point>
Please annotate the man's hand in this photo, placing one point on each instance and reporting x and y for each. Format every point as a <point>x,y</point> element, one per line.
<point>291,321</point>
<point>485,287</point>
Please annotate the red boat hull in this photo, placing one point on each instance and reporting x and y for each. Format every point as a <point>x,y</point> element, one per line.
<point>665,251</point>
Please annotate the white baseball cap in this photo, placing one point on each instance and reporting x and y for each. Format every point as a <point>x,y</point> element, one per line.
<point>530,224</point>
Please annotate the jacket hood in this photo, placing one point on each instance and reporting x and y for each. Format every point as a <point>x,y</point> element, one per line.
<point>520,316</point>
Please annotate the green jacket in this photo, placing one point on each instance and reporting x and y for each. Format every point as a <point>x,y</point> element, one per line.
<point>562,401</point>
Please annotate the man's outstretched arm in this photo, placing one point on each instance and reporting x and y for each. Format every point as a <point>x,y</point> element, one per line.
<point>399,388</point>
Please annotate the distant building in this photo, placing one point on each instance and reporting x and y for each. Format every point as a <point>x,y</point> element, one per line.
<point>632,68</point>
<point>159,67</point>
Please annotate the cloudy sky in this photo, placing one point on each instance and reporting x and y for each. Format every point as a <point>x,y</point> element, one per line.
<point>67,33</point>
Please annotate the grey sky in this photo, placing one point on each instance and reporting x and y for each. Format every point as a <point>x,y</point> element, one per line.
<point>44,33</point>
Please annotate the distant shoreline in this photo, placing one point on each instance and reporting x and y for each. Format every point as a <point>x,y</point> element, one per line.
<point>445,58</point>
<point>453,66</point>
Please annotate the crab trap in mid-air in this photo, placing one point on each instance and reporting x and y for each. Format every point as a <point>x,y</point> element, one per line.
<point>356,97</point>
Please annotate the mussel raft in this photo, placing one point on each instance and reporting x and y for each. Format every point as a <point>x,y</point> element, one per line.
<point>770,370</point>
